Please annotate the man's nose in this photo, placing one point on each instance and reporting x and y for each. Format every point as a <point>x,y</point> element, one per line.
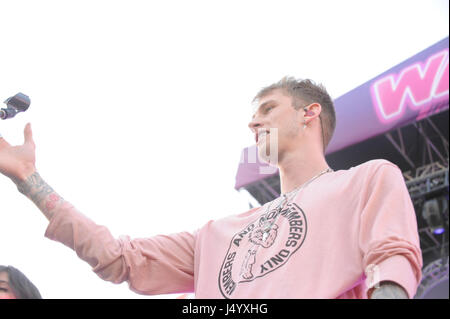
<point>254,125</point>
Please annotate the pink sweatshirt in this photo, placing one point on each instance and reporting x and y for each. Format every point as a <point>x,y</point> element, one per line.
<point>341,228</point>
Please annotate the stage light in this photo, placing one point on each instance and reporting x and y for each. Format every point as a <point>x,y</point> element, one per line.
<point>431,212</point>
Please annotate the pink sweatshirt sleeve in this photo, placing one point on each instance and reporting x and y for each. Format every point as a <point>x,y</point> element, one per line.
<point>156,265</point>
<point>388,236</point>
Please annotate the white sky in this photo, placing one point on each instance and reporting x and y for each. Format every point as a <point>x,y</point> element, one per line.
<point>137,105</point>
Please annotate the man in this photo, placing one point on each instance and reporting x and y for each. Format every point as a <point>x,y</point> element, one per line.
<point>344,234</point>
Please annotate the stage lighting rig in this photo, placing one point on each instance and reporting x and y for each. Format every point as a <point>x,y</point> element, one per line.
<point>433,212</point>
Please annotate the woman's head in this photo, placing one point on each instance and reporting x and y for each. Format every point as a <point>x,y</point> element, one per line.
<point>15,285</point>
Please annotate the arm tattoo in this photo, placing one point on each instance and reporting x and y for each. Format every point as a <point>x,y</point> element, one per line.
<point>389,290</point>
<point>42,194</point>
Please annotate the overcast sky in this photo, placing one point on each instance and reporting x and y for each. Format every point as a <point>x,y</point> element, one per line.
<point>139,104</point>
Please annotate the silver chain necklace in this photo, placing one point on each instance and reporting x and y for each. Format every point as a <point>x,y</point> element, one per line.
<point>285,200</point>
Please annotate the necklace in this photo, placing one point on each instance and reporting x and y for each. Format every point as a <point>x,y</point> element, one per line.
<point>285,200</point>
<point>263,234</point>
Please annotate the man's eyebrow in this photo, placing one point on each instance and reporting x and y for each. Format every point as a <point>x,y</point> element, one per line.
<point>262,105</point>
<point>2,281</point>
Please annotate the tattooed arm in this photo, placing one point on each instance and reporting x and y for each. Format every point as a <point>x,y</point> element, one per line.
<point>40,193</point>
<point>388,290</point>
<point>18,163</point>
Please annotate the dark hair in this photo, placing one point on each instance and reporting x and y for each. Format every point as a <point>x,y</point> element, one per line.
<point>21,286</point>
<point>304,92</point>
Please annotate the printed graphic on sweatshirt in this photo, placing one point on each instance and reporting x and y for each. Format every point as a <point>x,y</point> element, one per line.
<point>261,248</point>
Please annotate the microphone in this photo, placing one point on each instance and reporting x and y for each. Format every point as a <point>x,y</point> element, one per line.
<point>15,104</point>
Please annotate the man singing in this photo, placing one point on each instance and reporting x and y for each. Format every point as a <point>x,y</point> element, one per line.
<point>331,234</point>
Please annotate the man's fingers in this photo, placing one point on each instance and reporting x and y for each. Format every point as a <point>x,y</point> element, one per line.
<point>28,134</point>
<point>28,137</point>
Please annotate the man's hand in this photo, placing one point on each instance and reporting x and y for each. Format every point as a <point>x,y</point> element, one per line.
<point>18,162</point>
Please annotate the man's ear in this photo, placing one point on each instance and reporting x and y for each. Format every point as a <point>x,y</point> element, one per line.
<point>312,111</point>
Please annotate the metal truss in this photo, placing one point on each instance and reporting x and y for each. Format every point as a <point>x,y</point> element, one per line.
<point>430,244</point>
<point>427,180</point>
<point>432,275</point>
<point>431,152</point>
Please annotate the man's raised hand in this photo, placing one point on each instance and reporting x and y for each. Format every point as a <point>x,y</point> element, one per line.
<point>18,162</point>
